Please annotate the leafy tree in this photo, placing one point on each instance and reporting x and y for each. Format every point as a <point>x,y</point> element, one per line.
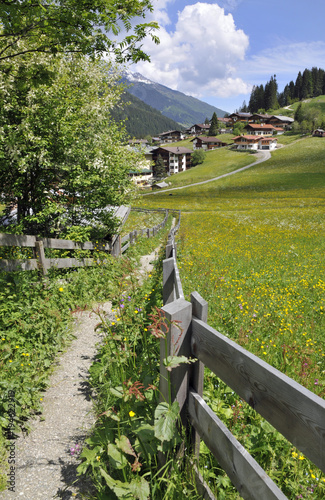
<point>214,129</point>
<point>238,128</point>
<point>62,158</point>
<point>75,26</point>
<point>198,157</point>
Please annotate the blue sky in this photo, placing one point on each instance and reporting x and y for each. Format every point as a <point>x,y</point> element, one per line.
<point>217,51</point>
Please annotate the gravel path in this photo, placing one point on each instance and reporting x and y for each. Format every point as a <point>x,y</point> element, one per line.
<point>45,467</point>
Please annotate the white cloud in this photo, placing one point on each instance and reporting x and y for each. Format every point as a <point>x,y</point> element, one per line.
<point>199,57</point>
<point>286,58</point>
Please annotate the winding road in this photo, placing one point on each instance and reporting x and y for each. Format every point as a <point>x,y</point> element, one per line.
<point>263,156</point>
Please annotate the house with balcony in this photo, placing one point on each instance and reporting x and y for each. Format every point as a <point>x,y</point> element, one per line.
<point>240,117</point>
<point>176,159</point>
<point>198,128</point>
<point>281,121</point>
<point>171,136</point>
<point>255,142</point>
<point>262,129</point>
<point>207,143</point>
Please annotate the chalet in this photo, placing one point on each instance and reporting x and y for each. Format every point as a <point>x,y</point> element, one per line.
<point>258,118</point>
<point>240,117</point>
<point>172,136</point>
<point>260,129</point>
<point>138,142</point>
<point>254,142</point>
<point>319,133</point>
<point>225,125</point>
<point>176,159</point>
<point>198,128</point>
<point>141,177</point>
<point>281,121</point>
<point>207,143</point>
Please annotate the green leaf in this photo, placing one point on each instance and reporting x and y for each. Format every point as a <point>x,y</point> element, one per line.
<point>117,391</point>
<point>116,457</point>
<point>140,488</point>
<point>124,444</point>
<point>121,490</point>
<point>174,361</point>
<point>165,420</point>
<point>146,441</point>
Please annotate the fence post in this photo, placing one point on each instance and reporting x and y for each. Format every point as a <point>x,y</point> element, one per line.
<point>40,256</point>
<point>168,280</point>
<point>174,384</point>
<point>200,311</point>
<point>131,237</point>
<point>116,247</point>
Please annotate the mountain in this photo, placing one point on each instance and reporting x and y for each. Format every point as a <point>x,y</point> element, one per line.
<point>181,108</point>
<point>142,119</point>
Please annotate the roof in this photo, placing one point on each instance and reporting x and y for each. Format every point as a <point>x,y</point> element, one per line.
<point>243,115</point>
<point>203,138</point>
<point>160,184</point>
<point>260,126</point>
<point>254,138</point>
<point>141,172</point>
<point>261,116</point>
<point>176,149</point>
<point>170,132</point>
<point>283,118</point>
<point>268,139</point>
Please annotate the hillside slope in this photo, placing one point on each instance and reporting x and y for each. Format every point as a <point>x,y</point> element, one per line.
<point>141,119</point>
<point>181,108</point>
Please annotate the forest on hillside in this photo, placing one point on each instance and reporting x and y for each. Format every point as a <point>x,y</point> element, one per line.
<point>140,119</point>
<point>308,84</point>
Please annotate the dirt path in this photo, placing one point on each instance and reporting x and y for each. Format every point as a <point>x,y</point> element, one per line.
<point>45,461</point>
<point>262,156</point>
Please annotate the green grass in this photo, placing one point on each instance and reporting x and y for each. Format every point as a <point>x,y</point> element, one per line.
<point>252,245</point>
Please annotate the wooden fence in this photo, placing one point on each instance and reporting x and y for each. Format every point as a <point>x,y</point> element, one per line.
<point>38,245</point>
<point>294,411</point>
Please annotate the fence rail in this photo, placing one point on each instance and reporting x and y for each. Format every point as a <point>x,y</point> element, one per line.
<point>294,411</point>
<point>38,245</point>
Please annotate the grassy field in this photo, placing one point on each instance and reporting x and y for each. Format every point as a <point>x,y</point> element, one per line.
<point>252,244</point>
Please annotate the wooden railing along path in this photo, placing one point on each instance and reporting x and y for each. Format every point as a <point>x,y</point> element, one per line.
<point>293,410</point>
<point>40,262</point>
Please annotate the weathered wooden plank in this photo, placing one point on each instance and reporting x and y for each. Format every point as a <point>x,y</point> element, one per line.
<point>178,284</point>
<point>201,486</point>
<point>15,240</point>
<point>67,244</point>
<point>116,246</point>
<point>200,311</point>
<point>178,315</point>
<point>292,409</point>
<point>40,255</point>
<point>125,238</point>
<point>69,262</point>
<point>248,477</point>
<point>125,247</point>
<point>169,250</point>
<point>16,265</point>
<point>168,281</point>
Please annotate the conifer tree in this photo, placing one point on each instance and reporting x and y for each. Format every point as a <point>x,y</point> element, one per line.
<point>213,130</point>
<point>160,168</point>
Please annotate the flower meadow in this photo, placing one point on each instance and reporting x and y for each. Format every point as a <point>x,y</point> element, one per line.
<point>252,245</point>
